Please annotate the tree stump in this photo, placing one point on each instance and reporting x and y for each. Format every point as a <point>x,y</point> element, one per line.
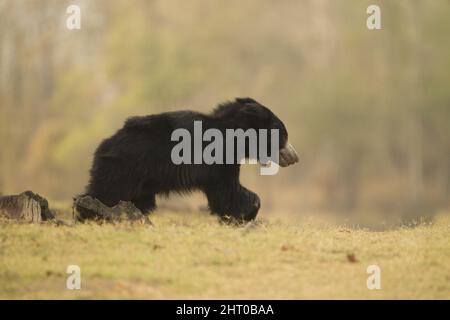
<point>27,206</point>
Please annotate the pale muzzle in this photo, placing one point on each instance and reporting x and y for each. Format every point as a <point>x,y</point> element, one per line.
<point>288,155</point>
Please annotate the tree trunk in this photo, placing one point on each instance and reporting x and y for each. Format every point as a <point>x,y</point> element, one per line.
<point>27,206</point>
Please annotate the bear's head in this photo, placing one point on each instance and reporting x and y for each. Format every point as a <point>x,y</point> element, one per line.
<point>247,113</point>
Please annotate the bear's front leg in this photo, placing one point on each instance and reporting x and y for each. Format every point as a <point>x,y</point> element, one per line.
<point>237,202</point>
<point>249,204</point>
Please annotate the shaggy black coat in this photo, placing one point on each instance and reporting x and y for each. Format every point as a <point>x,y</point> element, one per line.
<point>135,163</point>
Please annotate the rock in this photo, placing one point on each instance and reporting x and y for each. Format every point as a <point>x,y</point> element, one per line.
<point>87,208</point>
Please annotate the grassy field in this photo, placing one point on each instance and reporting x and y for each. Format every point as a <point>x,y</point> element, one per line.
<point>193,256</point>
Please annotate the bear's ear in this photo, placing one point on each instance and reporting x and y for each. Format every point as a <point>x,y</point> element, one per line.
<point>246,101</point>
<point>255,111</point>
<point>251,107</point>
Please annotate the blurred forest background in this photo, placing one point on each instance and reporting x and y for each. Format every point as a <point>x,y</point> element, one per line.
<point>368,111</point>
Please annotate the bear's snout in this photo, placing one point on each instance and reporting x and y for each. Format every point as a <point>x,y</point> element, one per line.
<point>288,155</point>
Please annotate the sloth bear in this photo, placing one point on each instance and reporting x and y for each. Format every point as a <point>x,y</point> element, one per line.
<point>135,163</point>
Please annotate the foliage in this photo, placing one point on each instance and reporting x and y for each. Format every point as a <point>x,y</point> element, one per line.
<point>368,111</point>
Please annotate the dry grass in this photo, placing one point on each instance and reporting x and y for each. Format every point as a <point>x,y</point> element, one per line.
<point>193,256</point>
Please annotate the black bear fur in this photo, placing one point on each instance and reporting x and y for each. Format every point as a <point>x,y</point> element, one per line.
<point>135,163</point>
